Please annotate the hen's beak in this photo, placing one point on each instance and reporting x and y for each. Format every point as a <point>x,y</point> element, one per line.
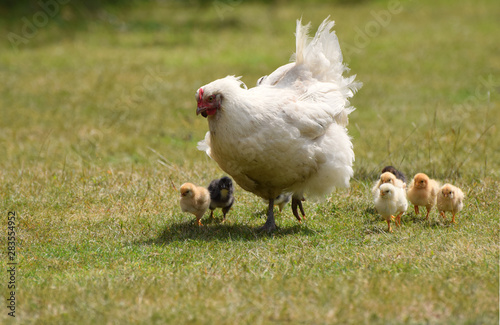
<point>202,111</point>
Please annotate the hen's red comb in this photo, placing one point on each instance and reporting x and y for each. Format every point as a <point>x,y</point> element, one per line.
<point>200,94</point>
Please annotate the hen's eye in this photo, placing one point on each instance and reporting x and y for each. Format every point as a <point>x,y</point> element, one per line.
<point>211,98</point>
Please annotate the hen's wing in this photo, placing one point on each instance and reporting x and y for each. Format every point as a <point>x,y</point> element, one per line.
<point>276,76</point>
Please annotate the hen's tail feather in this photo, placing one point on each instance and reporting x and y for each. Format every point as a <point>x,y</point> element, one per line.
<point>322,55</point>
<point>301,40</point>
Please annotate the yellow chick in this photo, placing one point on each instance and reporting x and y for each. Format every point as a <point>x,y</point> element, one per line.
<point>389,201</point>
<point>195,200</point>
<point>450,198</point>
<point>423,192</point>
<point>390,178</point>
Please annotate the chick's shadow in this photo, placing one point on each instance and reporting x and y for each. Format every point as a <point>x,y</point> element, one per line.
<point>374,221</point>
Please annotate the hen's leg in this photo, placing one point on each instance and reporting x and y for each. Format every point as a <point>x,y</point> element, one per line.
<point>302,209</point>
<point>298,203</point>
<point>416,210</point>
<point>270,224</point>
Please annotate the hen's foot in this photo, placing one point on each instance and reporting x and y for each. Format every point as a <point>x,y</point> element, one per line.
<point>298,203</point>
<point>267,228</point>
<point>270,224</point>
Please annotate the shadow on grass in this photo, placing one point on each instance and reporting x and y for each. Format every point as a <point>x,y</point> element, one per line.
<point>433,221</point>
<point>216,231</point>
<point>373,224</point>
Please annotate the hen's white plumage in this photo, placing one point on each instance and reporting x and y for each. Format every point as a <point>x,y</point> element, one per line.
<point>287,134</point>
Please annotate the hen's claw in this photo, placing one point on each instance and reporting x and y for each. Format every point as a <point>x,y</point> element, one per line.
<point>298,203</point>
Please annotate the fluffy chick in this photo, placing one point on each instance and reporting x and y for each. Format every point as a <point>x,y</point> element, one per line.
<point>282,199</point>
<point>221,195</point>
<point>395,172</point>
<point>195,200</point>
<point>391,200</point>
<point>423,192</point>
<point>390,178</point>
<point>450,198</point>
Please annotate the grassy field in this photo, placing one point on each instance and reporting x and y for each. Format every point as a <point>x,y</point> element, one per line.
<point>98,130</point>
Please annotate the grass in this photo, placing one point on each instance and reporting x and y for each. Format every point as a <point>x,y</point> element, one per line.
<point>98,131</point>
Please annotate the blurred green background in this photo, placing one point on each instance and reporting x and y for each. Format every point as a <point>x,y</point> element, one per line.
<point>106,80</point>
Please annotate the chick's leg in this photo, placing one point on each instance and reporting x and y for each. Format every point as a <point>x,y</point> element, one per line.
<point>224,212</point>
<point>389,228</point>
<point>428,211</point>
<point>298,203</point>
<point>442,214</point>
<point>198,220</point>
<point>453,218</point>
<point>416,210</point>
<point>398,219</point>
<point>270,224</point>
<point>280,207</point>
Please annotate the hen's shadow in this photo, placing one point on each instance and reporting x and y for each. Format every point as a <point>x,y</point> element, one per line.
<point>221,231</point>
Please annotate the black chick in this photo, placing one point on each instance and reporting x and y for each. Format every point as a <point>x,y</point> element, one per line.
<point>395,172</point>
<point>221,195</point>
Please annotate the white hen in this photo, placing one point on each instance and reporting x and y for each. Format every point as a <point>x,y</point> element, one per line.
<point>287,134</point>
